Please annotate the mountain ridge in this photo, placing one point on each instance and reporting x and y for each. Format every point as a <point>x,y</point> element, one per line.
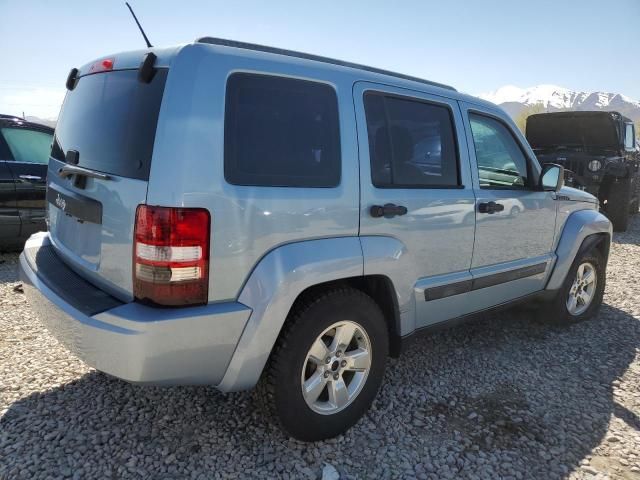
<point>554,98</point>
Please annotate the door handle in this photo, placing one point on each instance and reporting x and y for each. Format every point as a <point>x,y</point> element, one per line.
<point>387,210</point>
<point>30,177</point>
<point>490,207</point>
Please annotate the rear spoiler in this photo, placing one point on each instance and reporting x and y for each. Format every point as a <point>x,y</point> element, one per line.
<point>146,70</point>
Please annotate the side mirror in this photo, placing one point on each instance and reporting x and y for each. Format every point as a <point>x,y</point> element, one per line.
<point>552,177</point>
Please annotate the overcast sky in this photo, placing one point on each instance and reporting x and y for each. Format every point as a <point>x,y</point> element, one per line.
<point>476,46</point>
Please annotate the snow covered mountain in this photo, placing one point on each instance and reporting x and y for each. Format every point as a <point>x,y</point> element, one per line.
<point>552,97</point>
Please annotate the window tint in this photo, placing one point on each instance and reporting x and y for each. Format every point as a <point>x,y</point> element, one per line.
<point>31,146</point>
<point>281,132</point>
<point>501,162</point>
<point>111,119</point>
<point>411,143</point>
<point>629,136</point>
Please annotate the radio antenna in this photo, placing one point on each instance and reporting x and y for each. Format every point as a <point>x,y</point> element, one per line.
<point>139,26</point>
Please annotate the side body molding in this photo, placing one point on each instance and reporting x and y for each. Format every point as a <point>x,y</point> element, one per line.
<point>577,228</point>
<point>270,291</point>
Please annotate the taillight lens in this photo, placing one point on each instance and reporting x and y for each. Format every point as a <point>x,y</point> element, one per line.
<point>171,255</point>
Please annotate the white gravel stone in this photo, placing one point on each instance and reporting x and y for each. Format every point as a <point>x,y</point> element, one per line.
<point>329,472</point>
<point>508,396</point>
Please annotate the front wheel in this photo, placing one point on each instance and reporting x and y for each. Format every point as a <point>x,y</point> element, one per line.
<point>327,365</point>
<point>580,296</point>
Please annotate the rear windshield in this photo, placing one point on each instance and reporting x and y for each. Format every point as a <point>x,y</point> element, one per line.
<point>584,131</point>
<point>110,119</point>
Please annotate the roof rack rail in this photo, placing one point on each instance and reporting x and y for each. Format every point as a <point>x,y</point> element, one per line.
<point>317,58</point>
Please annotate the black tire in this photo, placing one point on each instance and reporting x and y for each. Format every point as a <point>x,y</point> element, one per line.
<point>280,388</point>
<point>617,208</point>
<point>634,206</point>
<point>557,311</point>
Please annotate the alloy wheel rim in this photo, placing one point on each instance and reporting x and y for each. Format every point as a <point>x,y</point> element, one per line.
<point>582,290</point>
<point>336,367</point>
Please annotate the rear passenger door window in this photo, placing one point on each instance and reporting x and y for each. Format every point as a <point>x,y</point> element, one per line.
<point>28,146</point>
<point>501,163</point>
<point>411,143</point>
<point>281,132</point>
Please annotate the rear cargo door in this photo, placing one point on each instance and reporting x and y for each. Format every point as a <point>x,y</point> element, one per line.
<point>99,171</point>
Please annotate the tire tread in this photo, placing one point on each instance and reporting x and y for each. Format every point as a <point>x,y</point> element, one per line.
<point>265,389</point>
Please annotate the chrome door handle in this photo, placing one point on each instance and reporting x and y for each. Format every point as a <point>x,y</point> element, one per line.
<point>30,177</point>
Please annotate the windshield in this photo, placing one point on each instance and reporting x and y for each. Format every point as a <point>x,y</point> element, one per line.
<point>110,119</point>
<point>560,130</point>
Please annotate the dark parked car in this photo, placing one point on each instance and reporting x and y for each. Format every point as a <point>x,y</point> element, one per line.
<point>24,155</point>
<point>599,153</point>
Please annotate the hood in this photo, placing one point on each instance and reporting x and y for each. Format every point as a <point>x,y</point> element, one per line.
<point>575,195</point>
<point>565,129</point>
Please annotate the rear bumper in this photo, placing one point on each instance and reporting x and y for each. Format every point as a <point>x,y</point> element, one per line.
<point>138,343</point>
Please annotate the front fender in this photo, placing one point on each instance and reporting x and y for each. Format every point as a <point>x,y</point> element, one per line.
<point>580,225</point>
<point>270,291</point>
<point>617,169</point>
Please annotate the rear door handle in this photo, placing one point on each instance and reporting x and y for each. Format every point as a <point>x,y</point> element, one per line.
<point>387,210</point>
<point>490,207</point>
<point>30,177</point>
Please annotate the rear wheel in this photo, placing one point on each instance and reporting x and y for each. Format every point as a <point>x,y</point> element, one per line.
<point>327,365</point>
<point>617,208</point>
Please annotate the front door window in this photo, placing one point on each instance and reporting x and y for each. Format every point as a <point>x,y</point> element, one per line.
<point>501,163</point>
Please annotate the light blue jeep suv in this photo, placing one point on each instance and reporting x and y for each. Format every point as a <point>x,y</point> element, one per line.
<point>230,214</point>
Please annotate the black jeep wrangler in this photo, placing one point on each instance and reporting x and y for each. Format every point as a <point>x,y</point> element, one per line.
<point>599,153</point>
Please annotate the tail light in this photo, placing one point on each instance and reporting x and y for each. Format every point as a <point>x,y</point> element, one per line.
<point>101,66</point>
<point>171,255</point>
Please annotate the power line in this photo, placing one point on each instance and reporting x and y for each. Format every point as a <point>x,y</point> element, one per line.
<point>32,87</point>
<point>31,104</point>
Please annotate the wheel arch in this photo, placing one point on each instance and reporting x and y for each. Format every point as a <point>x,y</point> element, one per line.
<point>611,178</point>
<point>280,279</point>
<point>583,230</point>
<point>381,290</point>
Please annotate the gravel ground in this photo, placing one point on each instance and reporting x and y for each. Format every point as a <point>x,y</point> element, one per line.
<point>508,396</point>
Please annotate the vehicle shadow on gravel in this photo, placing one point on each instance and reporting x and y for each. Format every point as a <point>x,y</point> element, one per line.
<point>507,395</point>
<point>630,236</point>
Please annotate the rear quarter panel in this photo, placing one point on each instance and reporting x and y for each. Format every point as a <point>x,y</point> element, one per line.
<point>188,166</point>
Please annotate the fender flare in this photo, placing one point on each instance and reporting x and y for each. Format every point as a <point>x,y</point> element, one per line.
<point>272,288</point>
<point>582,231</point>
